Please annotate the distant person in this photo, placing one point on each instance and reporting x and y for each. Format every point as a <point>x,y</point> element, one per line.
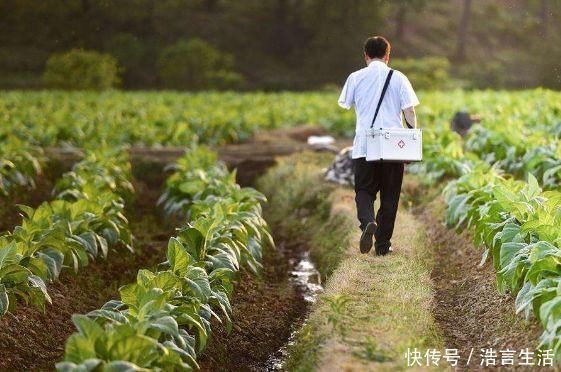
<point>362,90</point>
<point>463,121</point>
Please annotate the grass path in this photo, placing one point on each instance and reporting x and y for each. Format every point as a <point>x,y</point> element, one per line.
<point>429,294</point>
<point>376,307</point>
<point>373,308</point>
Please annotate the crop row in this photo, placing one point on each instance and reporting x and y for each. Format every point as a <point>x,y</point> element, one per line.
<point>520,154</point>
<point>524,121</point>
<point>53,118</point>
<point>84,221</point>
<point>160,118</point>
<point>163,320</point>
<point>516,221</point>
<point>448,155</point>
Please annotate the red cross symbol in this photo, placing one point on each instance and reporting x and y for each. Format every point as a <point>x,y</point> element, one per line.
<point>401,144</point>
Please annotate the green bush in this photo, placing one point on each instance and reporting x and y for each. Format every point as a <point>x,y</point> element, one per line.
<point>426,73</point>
<point>197,65</point>
<point>81,69</point>
<point>132,54</point>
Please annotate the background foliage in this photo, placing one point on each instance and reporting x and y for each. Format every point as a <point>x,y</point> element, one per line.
<point>81,69</point>
<point>286,44</point>
<point>196,65</point>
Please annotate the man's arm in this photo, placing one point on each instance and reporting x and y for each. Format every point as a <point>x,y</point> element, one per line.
<point>410,116</point>
<point>347,97</point>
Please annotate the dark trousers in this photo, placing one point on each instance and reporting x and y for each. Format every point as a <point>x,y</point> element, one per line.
<point>370,178</point>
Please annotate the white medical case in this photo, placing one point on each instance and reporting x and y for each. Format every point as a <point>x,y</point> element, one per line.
<point>394,144</point>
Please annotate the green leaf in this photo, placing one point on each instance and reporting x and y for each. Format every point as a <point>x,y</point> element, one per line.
<point>28,211</point>
<point>178,257</point>
<point>509,250</point>
<point>67,367</point>
<point>550,309</point>
<point>89,365</point>
<point>79,348</point>
<point>102,245</point>
<point>144,277</point>
<point>544,267</point>
<point>53,260</point>
<point>137,349</point>
<point>128,293</point>
<point>38,267</point>
<point>91,241</point>
<point>197,280</point>
<point>152,301</point>
<point>4,301</point>
<point>165,280</point>
<point>109,315</point>
<point>87,327</point>
<point>191,187</point>
<point>192,319</point>
<point>533,185</point>
<point>166,324</point>
<point>38,283</point>
<point>8,255</point>
<point>13,273</point>
<point>122,366</point>
<point>111,236</point>
<point>194,241</point>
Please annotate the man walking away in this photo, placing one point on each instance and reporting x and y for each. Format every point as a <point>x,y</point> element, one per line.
<point>363,90</point>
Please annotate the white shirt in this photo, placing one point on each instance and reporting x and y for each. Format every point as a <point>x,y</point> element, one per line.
<point>362,90</point>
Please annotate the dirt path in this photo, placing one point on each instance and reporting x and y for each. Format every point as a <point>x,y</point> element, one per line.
<point>32,340</point>
<point>469,310</point>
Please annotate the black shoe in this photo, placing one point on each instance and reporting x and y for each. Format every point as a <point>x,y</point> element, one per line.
<point>383,251</point>
<point>366,237</point>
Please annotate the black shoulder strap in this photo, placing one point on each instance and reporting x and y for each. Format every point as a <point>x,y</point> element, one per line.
<point>382,96</point>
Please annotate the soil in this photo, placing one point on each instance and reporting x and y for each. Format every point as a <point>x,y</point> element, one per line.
<point>34,340</point>
<point>265,312</point>
<point>469,310</point>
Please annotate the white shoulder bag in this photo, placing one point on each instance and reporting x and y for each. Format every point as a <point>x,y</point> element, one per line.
<point>393,144</point>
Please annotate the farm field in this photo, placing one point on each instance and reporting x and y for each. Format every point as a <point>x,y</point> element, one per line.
<point>169,263</point>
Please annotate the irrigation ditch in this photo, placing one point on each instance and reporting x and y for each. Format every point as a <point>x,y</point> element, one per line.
<point>267,312</point>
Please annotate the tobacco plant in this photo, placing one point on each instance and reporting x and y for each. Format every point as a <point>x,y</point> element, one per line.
<point>518,224</point>
<point>83,223</point>
<point>163,320</point>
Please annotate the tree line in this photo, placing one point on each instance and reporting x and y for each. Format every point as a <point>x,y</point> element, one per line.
<point>283,44</point>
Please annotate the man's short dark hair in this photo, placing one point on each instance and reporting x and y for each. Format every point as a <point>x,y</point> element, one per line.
<point>377,47</point>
